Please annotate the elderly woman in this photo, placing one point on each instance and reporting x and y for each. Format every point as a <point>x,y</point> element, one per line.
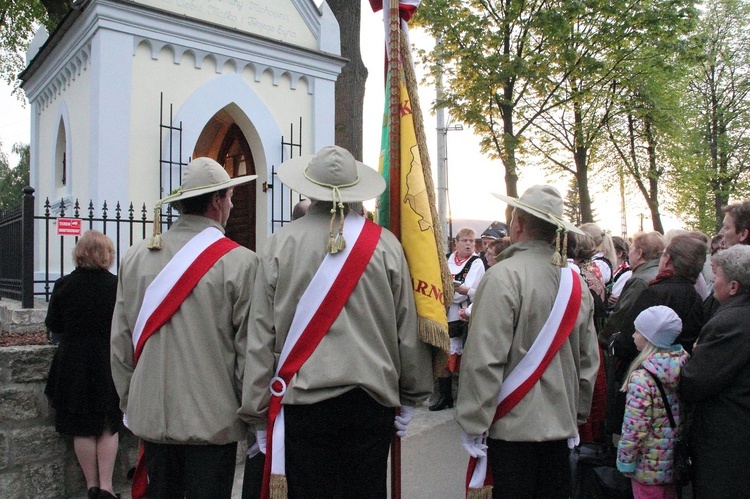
<point>716,383</point>
<point>80,385</point>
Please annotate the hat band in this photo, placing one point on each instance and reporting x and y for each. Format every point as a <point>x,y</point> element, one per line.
<point>558,221</point>
<point>334,188</point>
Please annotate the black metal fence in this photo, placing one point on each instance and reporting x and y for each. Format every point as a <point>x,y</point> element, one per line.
<point>10,259</point>
<point>25,275</point>
<point>124,225</point>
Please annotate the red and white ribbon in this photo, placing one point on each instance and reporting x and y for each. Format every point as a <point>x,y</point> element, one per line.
<point>529,370</point>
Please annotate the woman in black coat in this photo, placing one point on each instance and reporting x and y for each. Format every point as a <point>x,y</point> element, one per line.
<point>674,287</point>
<point>716,383</point>
<point>80,385</point>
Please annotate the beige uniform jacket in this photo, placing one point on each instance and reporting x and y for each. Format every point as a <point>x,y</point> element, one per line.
<point>373,344</point>
<point>188,382</point>
<point>511,305</point>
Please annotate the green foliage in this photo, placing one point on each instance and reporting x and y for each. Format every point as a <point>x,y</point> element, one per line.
<point>542,77</point>
<point>712,159</point>
<point>13,180</point>
<point>19,20</point>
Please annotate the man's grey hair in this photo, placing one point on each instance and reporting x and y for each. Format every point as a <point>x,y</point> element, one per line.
<point>735,262</point>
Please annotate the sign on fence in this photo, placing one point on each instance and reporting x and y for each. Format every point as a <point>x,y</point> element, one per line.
<point>68,226</point>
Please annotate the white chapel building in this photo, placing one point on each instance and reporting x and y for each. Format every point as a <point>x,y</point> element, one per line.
<point>125,92</point>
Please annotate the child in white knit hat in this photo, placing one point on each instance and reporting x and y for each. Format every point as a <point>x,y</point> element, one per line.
<point>645,452</point>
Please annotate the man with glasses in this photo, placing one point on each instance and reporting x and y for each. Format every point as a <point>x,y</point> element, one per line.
<point>467,269</point>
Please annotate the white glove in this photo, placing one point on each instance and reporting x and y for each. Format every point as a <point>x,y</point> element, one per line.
<point>403,419</point>
<point>474,444</point>
<point>260,438</point>
<point>573,442</point>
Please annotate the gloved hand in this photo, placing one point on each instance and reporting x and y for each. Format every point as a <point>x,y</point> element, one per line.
<point>403,418</point>
<point>574,441</point>
<point>260,438</point>
<point>474,444</point>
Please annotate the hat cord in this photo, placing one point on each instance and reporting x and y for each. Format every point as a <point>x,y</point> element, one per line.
<point>335,243</point>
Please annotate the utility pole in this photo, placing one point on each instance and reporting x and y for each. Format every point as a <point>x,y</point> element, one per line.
<point>442,159</point>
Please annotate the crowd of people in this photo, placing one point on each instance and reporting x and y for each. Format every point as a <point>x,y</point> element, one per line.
<point>559,335</point>
<point>663,317</point>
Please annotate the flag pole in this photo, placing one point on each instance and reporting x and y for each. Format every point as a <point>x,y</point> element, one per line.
<point>394,188</point>
<point>394,117</point>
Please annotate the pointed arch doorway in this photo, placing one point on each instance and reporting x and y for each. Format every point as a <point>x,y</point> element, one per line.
<point>223,140</point>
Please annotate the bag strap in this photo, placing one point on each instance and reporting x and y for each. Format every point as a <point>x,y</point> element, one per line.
<point>664,397</point>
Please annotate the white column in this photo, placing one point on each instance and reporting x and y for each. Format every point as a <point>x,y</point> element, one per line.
<point>110,114</point>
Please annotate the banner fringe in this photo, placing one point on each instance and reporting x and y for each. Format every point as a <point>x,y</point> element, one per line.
<point>436,335</point>
<point>277,488</point>
<point>483,493</point>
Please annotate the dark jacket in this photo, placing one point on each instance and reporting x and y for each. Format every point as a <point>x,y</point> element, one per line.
<point>716,383</point>
<point>677,293</point>
<point>80,310</point>
<point>637,284</point>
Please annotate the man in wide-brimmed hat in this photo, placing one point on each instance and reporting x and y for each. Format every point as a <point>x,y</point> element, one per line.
<point>530,359</point>
<point>178,340</point>
<point>333,341</point>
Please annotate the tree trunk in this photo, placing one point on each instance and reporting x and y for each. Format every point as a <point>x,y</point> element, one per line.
<point>350,86</point>
<point>580,156</point>
<point>508,153</point>
<point>582,178</point>
<point>653,177</point>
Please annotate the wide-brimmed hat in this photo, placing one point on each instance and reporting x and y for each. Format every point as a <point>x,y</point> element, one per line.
<point>331,174</point>
<point>201,176</point>
<point>542,201</point>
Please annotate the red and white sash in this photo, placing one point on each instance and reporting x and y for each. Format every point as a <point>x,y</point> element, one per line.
<point>529,370</point>
<point>163,298</point>
<point>176,280</point>
<point>316,311</point>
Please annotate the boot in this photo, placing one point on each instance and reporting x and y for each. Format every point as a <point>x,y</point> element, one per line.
<point>445,400</point>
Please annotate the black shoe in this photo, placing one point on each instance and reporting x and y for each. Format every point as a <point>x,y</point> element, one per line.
<point>442,403</point>
<point>103,494</point>
<point>445,399</point>
<point>94,492</point>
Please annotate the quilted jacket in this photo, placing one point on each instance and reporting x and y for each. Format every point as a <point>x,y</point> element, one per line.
<point>645,449</point>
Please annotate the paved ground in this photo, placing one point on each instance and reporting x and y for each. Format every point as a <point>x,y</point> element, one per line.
<point>433,462</point>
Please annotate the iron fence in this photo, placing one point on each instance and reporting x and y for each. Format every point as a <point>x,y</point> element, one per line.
<point>33,255</point>
<point>19,231</point>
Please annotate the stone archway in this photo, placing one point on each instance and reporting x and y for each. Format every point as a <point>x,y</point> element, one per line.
<point>223,140</point>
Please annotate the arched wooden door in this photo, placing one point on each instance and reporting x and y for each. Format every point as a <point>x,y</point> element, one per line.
<point>235,156</point>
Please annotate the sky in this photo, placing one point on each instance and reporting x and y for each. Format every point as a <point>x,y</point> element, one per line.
<point>472,176</point>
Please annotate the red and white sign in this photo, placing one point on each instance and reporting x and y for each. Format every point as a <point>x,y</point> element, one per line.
<point>68,226</point>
